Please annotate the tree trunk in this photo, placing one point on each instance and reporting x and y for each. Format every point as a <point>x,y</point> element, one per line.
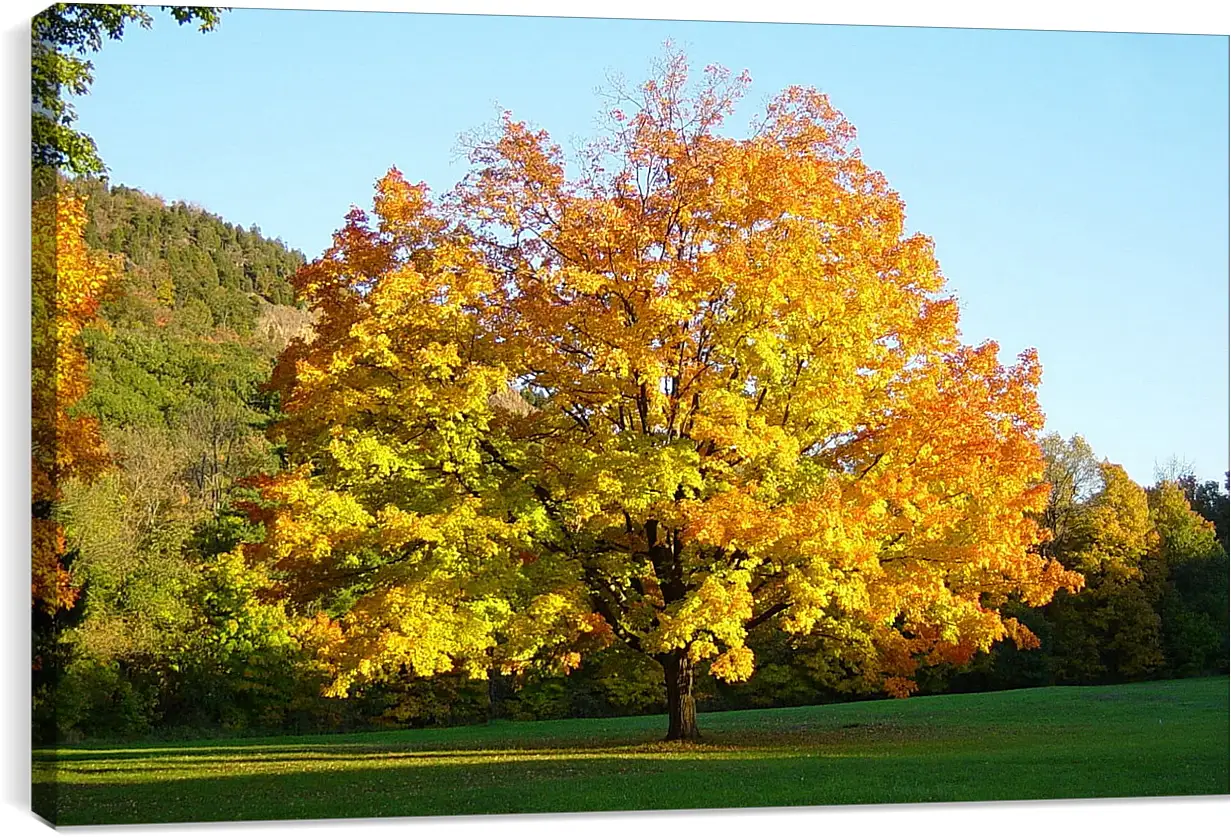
<point>681,706</point>
<point>497,693</point>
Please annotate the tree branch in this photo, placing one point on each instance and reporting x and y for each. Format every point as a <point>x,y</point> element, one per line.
<point>768,613</point>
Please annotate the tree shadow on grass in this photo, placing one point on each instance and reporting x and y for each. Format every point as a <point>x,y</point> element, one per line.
<point>802,735</point>
<point>471,781</point>
<point>1024,750</point>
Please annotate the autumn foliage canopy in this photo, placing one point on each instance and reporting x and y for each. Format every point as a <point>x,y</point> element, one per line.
<point>684,386</point>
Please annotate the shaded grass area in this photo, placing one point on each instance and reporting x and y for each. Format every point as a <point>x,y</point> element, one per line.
<point>1160,738</point>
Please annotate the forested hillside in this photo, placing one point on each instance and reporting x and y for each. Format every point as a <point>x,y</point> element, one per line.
<point>178,254</point>
<point>177,362</point>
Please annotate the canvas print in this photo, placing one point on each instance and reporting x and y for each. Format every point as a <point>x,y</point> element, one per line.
<point>453,415</point>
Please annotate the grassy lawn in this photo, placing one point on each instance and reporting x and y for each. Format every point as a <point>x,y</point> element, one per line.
<point>1162,738</point>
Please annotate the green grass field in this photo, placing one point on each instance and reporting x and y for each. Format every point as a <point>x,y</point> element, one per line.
<point>1162,738</point>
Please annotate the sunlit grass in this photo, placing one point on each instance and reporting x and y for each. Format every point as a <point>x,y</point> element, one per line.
<point>1165,738</point>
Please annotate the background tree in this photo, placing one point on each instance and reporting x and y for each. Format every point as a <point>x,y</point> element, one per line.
<point>69,281</point>
<point>1113,541</point>
<point>746,405</point>
<point>1140,615</point>
<point>1155,600</point>
<point>1190,577</point>
<point>1210,502</point>
<point>61,36</point>
<point>1074,475</point>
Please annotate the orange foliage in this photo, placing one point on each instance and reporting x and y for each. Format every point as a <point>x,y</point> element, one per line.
<point>69,281</point>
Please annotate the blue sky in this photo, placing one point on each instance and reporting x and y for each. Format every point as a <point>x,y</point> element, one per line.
<point>1075,183</point>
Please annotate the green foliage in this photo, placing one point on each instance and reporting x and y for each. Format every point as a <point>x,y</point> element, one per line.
<point>1109,631</point>
<point>1194,614</point>
<point>622,684</point>
<point>159,378</point>
<point>178,255</point>
<point>61,36</point>
<point>805,670</point>
<point>1193,597</point>
<point>540,698</point>
<point>1210,502</point>
<point>409,701</point>
<point>613,682</point>
<point>104,698</point>
<point>243,667</point>
<point>125,531</point>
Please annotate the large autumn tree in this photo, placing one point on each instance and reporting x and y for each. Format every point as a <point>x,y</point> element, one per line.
<point>689,386</point>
